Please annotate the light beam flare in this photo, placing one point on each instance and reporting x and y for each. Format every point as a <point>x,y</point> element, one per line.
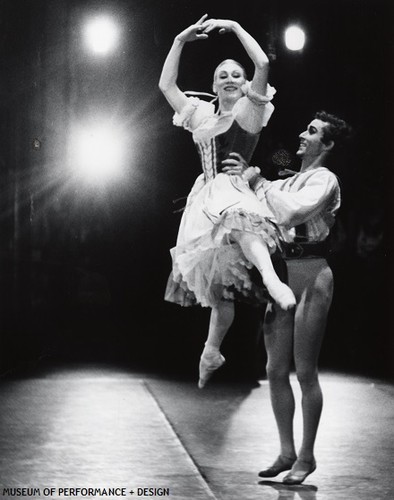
<point>98,153</point>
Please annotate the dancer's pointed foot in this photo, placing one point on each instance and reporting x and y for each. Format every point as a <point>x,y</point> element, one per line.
<point>209,363</point>
<point>280,465</point>
<point>300,471</point>
<point>281,294</point>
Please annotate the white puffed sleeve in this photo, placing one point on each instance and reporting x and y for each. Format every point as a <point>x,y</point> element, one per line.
<point>255,97</point>
<point>254,110</point>
<point>193,113</point>
<point>183,118</point>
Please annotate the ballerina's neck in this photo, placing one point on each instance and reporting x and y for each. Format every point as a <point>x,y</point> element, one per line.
<point>225,109</point>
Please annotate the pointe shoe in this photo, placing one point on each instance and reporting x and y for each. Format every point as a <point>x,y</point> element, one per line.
<point>208,365</point>
<point>299,473</point>
<point>282,295</point>
<point>280,465</point>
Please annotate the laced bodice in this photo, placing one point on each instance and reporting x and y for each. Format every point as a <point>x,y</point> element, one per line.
<point>213,149</point>
<point>216,135</point>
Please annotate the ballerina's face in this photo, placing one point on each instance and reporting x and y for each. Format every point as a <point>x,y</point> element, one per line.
<point>228,80</point>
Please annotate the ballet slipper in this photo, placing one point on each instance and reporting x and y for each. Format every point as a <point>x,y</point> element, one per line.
<point>300,471</point>
<point>209,363</point>
<point>281,464</point>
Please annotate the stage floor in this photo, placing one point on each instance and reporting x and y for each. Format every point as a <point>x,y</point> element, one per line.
<point>104,432</point>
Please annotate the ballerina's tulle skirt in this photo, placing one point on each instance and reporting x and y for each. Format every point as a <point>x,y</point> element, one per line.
<point>208,265</point>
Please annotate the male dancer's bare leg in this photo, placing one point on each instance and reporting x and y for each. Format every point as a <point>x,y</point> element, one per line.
<point>309,329</point>
<point>278,339</point>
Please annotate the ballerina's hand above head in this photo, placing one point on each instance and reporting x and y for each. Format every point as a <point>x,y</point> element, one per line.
<point>194,31</point>
<point>223,25</point>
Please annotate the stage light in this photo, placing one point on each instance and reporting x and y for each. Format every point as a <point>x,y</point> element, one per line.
<point>97,153</point>
<point>101,35</point>
<point>294,38</point>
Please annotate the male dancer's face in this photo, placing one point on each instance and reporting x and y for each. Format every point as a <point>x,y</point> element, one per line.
<point>311,144</point>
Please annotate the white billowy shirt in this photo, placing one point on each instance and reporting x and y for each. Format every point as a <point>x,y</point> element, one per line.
<point>310,199</point>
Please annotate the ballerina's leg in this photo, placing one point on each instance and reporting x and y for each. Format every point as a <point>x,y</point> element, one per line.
<point>256,251</point>
<point>222,316</point>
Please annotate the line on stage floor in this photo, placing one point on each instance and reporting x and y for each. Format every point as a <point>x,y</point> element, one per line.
<point>212,496</point>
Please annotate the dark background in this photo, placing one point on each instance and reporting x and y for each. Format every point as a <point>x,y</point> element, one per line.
<point>83,267</point>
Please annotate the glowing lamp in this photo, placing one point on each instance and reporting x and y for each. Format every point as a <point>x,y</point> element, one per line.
<point>294,38</point>
<point>101,35</point>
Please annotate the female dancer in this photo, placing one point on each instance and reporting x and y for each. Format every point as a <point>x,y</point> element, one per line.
<point>225,229</point>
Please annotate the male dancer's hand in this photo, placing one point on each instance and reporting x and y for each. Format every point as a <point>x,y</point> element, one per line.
<point>237,165</point>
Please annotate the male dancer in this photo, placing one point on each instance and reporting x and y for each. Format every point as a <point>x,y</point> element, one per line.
<point>304,207</point>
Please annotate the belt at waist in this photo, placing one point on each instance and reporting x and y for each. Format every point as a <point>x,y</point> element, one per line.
<point>304,250</point>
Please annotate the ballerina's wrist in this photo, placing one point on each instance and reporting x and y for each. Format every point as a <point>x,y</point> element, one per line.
<point>235,27</point>
<point>178,39</point>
